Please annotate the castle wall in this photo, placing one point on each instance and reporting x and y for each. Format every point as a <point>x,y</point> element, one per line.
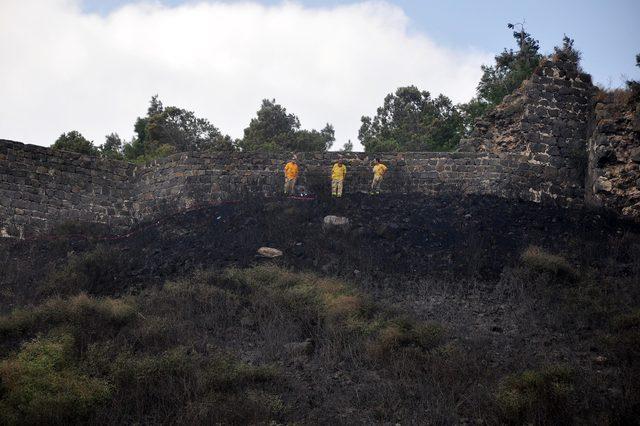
<point>41,187</point>
<point>547,120</point>
<point>614,156</point>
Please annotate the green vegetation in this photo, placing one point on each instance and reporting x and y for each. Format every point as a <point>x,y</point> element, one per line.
<point>163,356</point>
<point>167,130</point>
<point>96,271</point>
<point>410,120</point>
<point>42,384</point>
<point>538,397</point>
<point>536,258</point>
<point>273,129</point>
<point>634,86</point>
<point>74,141</point>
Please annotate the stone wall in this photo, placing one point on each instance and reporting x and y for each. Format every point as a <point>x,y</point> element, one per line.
<point>547,120</point>
<point>614,155</point>
<point>188,179</point>
<point>42,187</point>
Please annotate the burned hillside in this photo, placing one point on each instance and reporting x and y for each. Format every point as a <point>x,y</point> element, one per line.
<point>420,310</point>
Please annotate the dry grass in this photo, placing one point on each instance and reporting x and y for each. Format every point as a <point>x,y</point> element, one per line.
<point>537,258</point>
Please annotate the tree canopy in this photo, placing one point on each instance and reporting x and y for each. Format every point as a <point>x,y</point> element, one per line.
<point>166,130</point>
<point>510,69</point>
<point>75,142</point>
<point>411,120</point>
<point>273,129</point>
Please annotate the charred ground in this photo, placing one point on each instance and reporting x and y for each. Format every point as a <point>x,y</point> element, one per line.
<point>479,332</point>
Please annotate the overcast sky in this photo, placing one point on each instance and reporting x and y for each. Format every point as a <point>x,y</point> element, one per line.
<point>93,65</point>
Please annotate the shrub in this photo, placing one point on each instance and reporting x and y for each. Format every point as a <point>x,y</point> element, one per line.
<point>82,312</point>
<point>625,345</point>
<point>94,272</point>
<point>538,397</point>
<point>180,382</point>
<point>401,334</point>
<point>39,385</point>
<point>536,258</point>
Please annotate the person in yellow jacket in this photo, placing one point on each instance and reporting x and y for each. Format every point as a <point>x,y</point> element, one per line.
<point>379,170</point>
<point>338,173</point>
<point>291,171</point>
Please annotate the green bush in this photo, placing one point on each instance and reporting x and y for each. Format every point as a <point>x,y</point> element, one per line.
<point>95,272</point>
<point>167,385</point>
<point>41,385</point>
<point>82,312</point>
<point>538,397</point>
<point>340,320</point>
<point>536,258</point>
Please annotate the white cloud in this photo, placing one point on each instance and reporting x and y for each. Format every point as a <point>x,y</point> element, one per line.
<point>62,69</point>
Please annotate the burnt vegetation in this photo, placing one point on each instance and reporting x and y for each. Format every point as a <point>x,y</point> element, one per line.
<point>425,310</point>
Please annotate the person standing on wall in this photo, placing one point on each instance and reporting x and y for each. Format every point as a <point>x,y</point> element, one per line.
<point>291,171</point>
<point>338,173</point>
<point>379,170</point>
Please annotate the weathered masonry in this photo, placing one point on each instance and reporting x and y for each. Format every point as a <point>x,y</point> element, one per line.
<point>556,140</point>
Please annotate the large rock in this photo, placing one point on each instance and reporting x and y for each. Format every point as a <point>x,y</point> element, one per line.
<point>335,222</point>
<point>269,252</point>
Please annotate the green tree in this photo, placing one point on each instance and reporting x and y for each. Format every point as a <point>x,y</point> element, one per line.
<point>567,52</point>
<point>510,69</point>
<point>112,147</point>
<point>75,142</point>
<point>411,120</point>
<point>166,130</point>
<point>348,146</point>
<point>273,129</point>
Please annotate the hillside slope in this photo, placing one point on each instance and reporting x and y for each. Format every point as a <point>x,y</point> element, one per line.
<point>424,310</point>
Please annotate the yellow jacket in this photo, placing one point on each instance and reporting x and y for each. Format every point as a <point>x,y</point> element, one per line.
<point>291,170</point>
<point>379,169</point>
<point>338,172</point>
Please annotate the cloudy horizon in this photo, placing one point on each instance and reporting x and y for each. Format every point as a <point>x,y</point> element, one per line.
<point>73,70</point>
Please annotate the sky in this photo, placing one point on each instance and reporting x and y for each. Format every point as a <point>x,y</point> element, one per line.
<point>92,66</point>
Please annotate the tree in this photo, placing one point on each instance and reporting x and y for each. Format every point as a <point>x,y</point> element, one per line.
<point>410,120</point>
<point>166,130</point>
<point>567,52</point>
<point>112,147</point>
<point>75,142</point>
<point>508,72</point>
<point>273,129</point>
<point>634,86</point>
<point>511,68</point>
<point>348,146</point>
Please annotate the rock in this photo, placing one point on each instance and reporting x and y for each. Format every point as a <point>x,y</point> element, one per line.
<point>335,222</point>
<point>300,348</point>
<point>603,185</point>
<point>600,360</point>
<point>269,252</point>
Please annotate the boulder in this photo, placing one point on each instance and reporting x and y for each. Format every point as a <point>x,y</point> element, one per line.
<point>335,222</point>
<point>269,252</point>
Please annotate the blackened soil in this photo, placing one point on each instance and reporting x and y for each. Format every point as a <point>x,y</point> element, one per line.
<point>390,237</point>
